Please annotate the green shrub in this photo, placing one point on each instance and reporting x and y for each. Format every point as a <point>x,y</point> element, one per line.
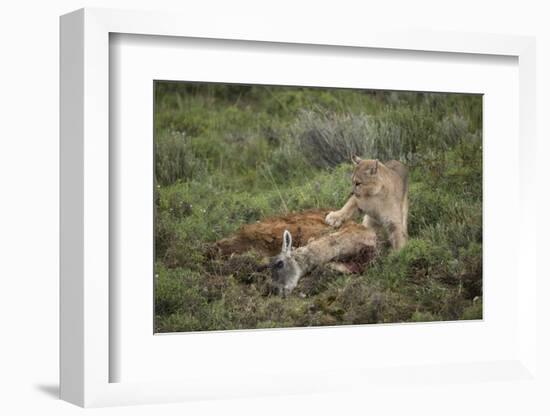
<point>418,260</point>
<point>178,290</point>
<point>174,159</point>
<point>474,311</point>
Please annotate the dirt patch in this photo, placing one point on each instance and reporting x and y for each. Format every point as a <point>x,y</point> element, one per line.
<point>266,237</point>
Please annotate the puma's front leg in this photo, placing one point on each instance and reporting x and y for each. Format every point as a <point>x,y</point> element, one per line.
<point>368,222</point>
<point>397,236</point>
<point>337,218</point>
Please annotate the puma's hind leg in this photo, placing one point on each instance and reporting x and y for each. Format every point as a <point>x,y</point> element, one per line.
<point>405,215</point>
<point>397,236</point>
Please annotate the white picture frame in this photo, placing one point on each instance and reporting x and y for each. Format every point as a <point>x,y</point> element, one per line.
<point>86,356</point>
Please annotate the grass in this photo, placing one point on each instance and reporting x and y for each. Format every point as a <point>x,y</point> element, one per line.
<point>227,155</point>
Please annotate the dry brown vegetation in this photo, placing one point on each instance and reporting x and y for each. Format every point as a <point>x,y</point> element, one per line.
<point>266,236</point>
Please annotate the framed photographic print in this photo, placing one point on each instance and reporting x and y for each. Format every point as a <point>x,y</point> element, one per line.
<point>247,215</point>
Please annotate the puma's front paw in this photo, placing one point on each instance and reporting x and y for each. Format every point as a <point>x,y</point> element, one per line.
<point>333,218</point>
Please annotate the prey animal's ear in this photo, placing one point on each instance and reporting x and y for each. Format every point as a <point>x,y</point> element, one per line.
<point>287,242</point>
<point>356,159</point>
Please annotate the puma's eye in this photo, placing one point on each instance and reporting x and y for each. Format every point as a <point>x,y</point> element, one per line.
<point>358,183</point>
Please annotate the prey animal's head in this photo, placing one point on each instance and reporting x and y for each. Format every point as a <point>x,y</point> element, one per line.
<point>285,270</point>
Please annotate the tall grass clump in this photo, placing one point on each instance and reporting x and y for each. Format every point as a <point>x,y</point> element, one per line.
<point>330,139</point>
<point>403,134</point>
<point>174,159</point>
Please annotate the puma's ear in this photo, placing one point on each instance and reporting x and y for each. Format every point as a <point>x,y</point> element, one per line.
<point>287,242</point>
<point>374,169</point>
<point>356,159</point>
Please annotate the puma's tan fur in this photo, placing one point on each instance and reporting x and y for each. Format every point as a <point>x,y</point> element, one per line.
<point>380,191</point>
